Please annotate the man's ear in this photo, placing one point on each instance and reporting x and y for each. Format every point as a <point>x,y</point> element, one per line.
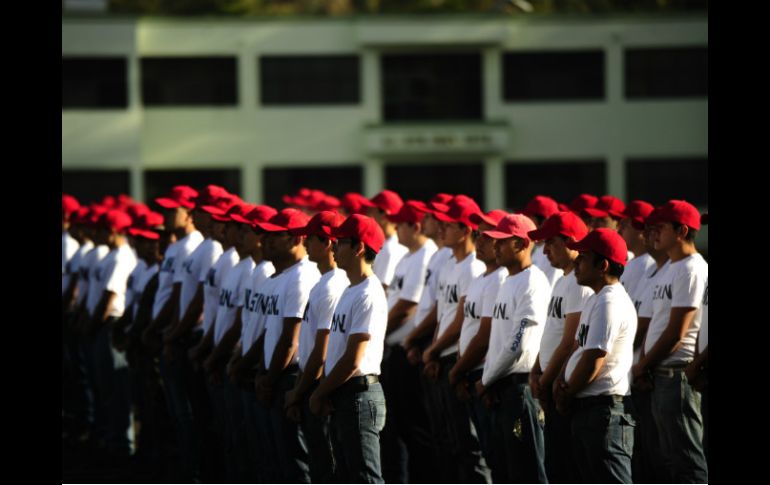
<point>683,231</point>
<point>360,249</point>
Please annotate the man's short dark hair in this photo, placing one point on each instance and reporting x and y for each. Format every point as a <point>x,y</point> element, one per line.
<point>369,253</point>
<point>615,269</point>
<point>691,233</point>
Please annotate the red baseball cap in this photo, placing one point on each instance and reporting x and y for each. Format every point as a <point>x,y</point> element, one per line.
<point>681,212</point>
<point>115,220</point>
<point>363,228</point>
<point>180,196</point>
<point>209,195</point>
<point>637,211</point>
<point>607,206</point>
<point>109,201</point>
<point>541,206</point>
<point>328,203</point>
<point>123,202</point>
<point>145,225</point>
<point>581,202</point>
<point>492,217</point>
<point>387,200</point>
<point>512,225</point>
<point>284,220</point>
<point>240,208</point>
<point>460,210</point>
<point>564,223</point>
<point>412,211</point>
<point>145,233</point>
<point>218,207</point>
<point>135,210</point>
<point>353,202</point>
<point>97,210</point>
<point>320,224</point>
<point>69,204</point>
<point>604,242</point>
<point>253,214</point>
<point>442,198</point>
<point>81,216</point>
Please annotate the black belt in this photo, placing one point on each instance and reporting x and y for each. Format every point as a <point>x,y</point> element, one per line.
<point>357,384</point>
<point>606,400</point>
<point>512,379</point>
<point>669,370</point>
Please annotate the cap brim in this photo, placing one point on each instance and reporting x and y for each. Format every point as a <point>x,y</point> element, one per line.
<point>637,224</point>
<point>152,235</point>
<point>596,212</point>
<point>213,210</point>
<point>367,203</point>
<point>617,215</point>
<point>167,203</point>
<point>267,227</point>
<point>241,219</point>
<point>542,234</point>
<point>577,246</point>
<point>443,217</point>
<point>498,234</point>
<point>479,218</point>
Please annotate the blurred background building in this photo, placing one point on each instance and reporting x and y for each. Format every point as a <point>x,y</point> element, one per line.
<point>501,101</point>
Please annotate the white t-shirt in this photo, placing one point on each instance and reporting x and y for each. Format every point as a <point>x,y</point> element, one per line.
<point>132,291</point>
<point>408,284</point>
<point>185,271</point>
<point>362,308</point>
<point>608,322</point>
<point>567,297</point>
<point>84,268</point>
<point>480,303</point>
<point>703,338</point>
<point>258,305</point>
<point>681,286</point>
<point>141,283</point>
<point>165,279</point>
<point>634,273</point>
<point>95,286</point>
<point>430,289</point>
<point>454,280</point>
<point>518,320</point>
<point>69,246</point>
<point>232,295</point>
<point>390,254</point>
<point>196,268</point>
<point>113,274</point>
<point>320,309</point>
<point>644,292</point>
<point>291,292</point>
<point>213,283</point>
<point>73,265</point>
<point>540,260</point>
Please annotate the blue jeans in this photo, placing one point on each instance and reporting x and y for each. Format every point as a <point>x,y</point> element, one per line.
<point>676,409</point>
<point>317,435</point>
<point>603,439</point>
<point>357,421</point>
<point>647,465</point>
<point>560,463</point>
<point>289,439</point>
<point>462,449</point>
<point>112,381</point>
<point>481,417</point>
<point>517,436</point>
<point>704,409</point>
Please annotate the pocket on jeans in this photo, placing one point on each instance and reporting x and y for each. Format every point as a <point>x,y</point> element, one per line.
<point>377,414</point>
<point>627,425</point>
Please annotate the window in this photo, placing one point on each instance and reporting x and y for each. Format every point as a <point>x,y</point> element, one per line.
<point>298,80</point>
<point>189,81</point>
<point>159,182</point>
<point>424,180</point>
<point>535,76</point>
<point>432,87</point>
<point>94,82</point>
<point>658,180</point>
<point>92,185</point>
<point>335,181</point>
<point>561,180</point>
<point>666,73</point>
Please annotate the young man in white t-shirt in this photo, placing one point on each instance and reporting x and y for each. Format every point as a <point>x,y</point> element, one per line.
<point>313,342</point>
<point>539,209</point>
<point>595,385</point>
<point>111,365</point>
<point>350,390</point>
<point>631,228</point>
<point>405,451</point>
<point>518,319</point>
<point>379,207</point>
<point>474,335</point>
<point>670,343</point>
<point>298,275</point>
<point>564,309</point>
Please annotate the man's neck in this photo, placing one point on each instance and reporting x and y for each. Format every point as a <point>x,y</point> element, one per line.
<point>289,260</point>
<point>358,271</point>
<point>417,244</point>
<point>604,281</point>
<point>681,251</point>
<point>568,268</point>
<point>519,265</point>
<point>492,266</point>
<point>326,264</point>
<point>462,250</point>
<point>182,232</point>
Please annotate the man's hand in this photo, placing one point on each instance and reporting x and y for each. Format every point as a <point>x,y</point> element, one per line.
<point>453,376</point>
<point>561,396</point>
<point>294,413</point>
<point>290,399</point>
<point>320,405</point>
<point>428,355</point>
<point>534,384</point>
<point>413,355</point>
<point>695,376</point>
<point>432,369</point>
<point>461,391</point>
